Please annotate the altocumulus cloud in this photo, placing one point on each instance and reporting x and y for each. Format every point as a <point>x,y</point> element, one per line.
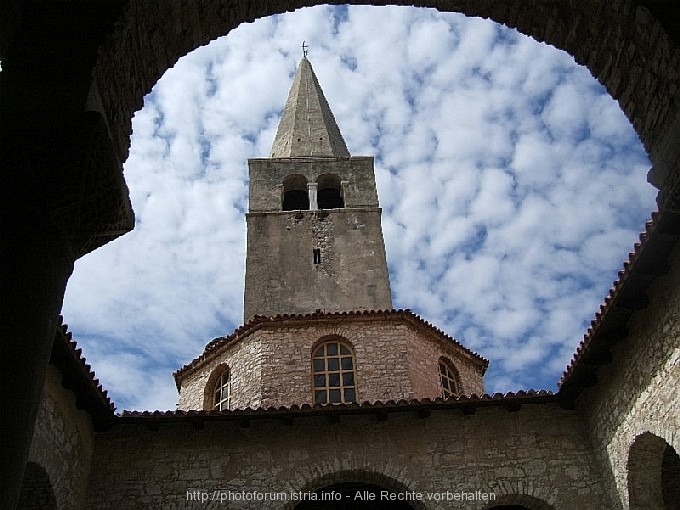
<point>512,187</point>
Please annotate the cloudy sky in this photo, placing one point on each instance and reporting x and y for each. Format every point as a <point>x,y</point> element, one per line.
<point>512,189</point>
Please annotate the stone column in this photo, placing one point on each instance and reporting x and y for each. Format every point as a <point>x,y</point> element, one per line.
<point>37,261</point>
<point>63,195</point>
<point>344,185</point>
<point>312,189</point>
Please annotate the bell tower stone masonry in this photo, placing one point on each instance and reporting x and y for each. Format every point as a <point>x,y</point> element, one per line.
<point>314,233</point>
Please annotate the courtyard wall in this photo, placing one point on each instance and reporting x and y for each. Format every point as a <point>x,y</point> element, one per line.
<point>63,442</point>
<point>638,392</point>
<point>539,452</point>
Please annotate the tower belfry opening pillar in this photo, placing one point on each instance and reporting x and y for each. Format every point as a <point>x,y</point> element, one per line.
<point>312,188</point>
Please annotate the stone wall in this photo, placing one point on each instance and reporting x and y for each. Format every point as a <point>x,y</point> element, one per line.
<point>535,454</point>
<point>271,366</point>
<point>281,276</point>
<point>638,391</point>
<point>245,360</point>
<point>62,443</point>
<point>423,366</point>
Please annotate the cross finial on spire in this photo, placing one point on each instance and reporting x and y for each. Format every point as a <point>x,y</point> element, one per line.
<point>304,49</point>
<point>307,126</point>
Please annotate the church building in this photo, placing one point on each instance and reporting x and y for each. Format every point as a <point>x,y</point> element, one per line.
<point>328,398</point>
<point>320,328</point>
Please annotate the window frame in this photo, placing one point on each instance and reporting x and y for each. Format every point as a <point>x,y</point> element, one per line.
<point>328,372</point>
<point>447,371</point>
<point>217,386</point>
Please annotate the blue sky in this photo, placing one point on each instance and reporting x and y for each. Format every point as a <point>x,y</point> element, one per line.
<point>512,189</point>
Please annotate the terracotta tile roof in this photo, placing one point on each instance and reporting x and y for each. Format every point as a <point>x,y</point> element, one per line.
<point>79,377</point>
<point>645,263</point>
<point>467,404</point>
<point>260,321</point>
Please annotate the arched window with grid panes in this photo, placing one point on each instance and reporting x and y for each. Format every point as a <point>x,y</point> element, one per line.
<point>448,378</point>
<point>221,392</point>
<point>334,373</point>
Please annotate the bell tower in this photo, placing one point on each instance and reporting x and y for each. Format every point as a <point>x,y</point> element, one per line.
<point>314,234</point>
<point>315,262</point>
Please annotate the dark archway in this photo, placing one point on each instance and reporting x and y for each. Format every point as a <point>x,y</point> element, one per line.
<point>670,478</point>
<point>295,194</point>
<point>653,474</point>
<point>341,490</point>
<point>330,192</point>
<point>36,489</point>
<point>354,495</point>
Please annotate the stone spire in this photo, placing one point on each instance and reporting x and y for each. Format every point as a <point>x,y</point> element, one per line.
<point>307,127</point>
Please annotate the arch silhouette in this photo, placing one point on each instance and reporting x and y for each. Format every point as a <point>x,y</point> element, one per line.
<point>627,63</point>
<point>624,44</point>
<point>358,476</point>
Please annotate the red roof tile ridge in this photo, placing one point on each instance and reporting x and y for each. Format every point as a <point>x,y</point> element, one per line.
<point>217,343</point>
<point>79,360</point>
<point>367,404</point>
<point>452,339</point>
<point>611,296</point>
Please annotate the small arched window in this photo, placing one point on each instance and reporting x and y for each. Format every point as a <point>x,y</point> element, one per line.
<point>221,393</point>
<point>448,378</point>
<point>295,194</point>
<point>330,192</point>
<point>334,374</point>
